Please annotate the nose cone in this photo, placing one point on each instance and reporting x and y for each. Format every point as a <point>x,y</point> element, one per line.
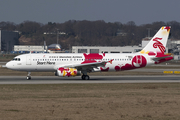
<point>9,65</point>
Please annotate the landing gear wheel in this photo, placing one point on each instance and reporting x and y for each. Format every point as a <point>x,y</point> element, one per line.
<point>28,77</point>
<point>85,77</point>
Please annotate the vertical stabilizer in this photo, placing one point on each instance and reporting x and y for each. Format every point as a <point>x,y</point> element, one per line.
<point>157,44</point>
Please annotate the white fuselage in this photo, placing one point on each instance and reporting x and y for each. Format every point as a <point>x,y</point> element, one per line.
<point>51,62</point>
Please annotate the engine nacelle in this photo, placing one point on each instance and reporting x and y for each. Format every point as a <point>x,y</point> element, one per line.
<point>67,72</point>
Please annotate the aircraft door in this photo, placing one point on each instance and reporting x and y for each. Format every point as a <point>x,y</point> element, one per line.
<point>28,60</point>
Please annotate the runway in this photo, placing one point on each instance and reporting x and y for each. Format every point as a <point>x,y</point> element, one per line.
<point>93,79</point>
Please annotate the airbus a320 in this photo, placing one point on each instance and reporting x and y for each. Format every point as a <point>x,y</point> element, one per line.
<point>71,64</point>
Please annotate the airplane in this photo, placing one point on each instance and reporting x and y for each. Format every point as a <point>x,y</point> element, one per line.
<point>77,64</point>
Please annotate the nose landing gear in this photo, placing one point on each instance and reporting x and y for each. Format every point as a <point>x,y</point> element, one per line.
<point>28,76</point>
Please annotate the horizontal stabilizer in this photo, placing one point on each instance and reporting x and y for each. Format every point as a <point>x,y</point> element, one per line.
<point>160,57</point>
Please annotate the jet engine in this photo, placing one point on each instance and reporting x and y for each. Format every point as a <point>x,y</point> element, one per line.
<point>67,72</point>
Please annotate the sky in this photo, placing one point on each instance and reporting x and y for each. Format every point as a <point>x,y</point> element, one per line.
<point>60,11</point>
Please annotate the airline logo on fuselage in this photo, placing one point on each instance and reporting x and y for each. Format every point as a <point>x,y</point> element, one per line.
<point>65,56</point>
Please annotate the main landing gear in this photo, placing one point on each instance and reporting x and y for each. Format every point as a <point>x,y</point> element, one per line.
<point>28,76</point>
<point>85,77</point>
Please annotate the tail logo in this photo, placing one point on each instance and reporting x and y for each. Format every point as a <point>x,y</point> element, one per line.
<point>159,44</point>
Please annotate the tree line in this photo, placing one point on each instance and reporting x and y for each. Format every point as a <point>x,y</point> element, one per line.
<point>87,33</point>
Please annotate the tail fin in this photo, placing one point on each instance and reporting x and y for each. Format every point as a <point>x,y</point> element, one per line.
<point>157,44</point>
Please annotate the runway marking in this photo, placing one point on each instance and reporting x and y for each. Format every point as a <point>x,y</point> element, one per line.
<point>168,72</point>
<point>176,72</point>
<point>171,72</point>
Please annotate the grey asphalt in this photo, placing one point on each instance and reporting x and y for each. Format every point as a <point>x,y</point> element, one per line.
<point>93,79</point>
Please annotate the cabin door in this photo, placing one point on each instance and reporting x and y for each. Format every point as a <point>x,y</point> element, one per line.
<point>28,60</point>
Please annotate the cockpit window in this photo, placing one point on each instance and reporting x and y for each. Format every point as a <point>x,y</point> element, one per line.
<point>16,59</point>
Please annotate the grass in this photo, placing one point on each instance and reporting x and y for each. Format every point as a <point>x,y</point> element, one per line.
<point>12,110</point>
<point>90,101</point>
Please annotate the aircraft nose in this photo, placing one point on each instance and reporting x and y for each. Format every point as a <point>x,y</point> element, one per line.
<point>9,65</point>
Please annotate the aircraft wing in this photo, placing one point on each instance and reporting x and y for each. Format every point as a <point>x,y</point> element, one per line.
<point>90,65</point>
<point>87,66</point>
